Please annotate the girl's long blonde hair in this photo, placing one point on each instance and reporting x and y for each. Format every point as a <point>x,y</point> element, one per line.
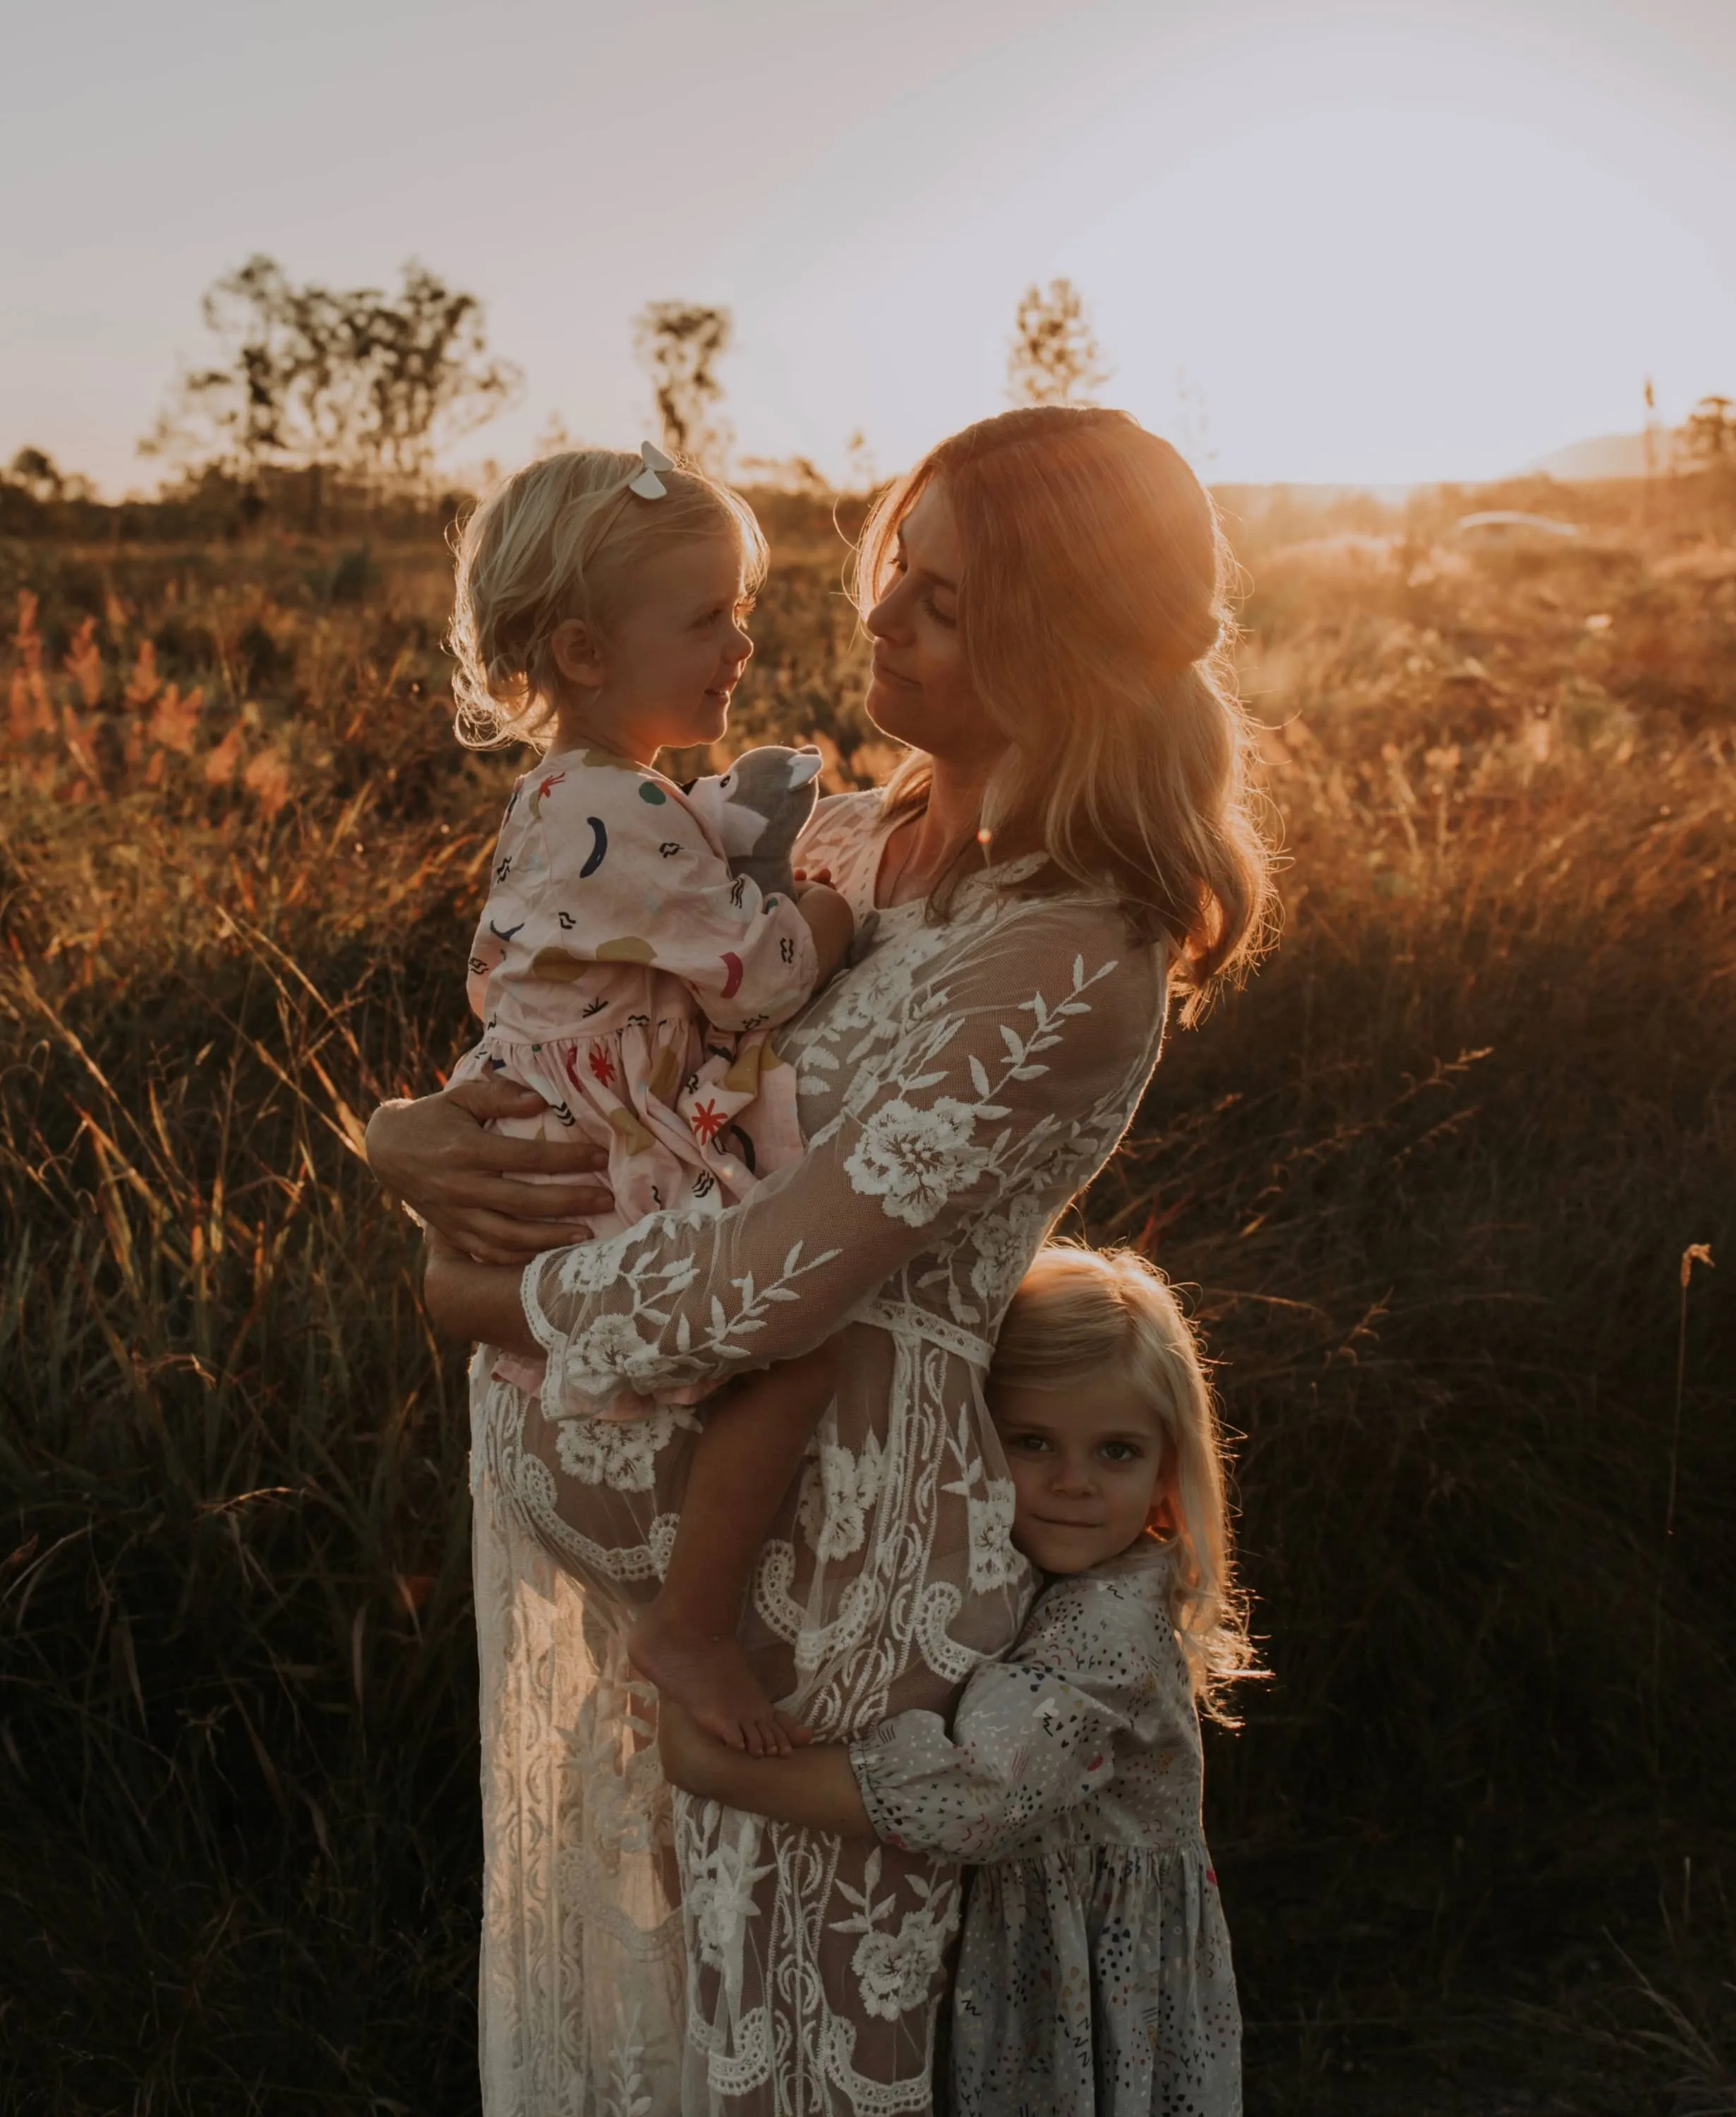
<point>560,539</point>
<point>1081,1312</point>
<point>1094,616</point>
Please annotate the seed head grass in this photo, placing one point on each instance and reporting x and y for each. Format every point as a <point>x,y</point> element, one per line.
<point>1449,1186</point>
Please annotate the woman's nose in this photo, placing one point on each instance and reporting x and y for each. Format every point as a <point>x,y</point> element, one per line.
<point>885,620</point>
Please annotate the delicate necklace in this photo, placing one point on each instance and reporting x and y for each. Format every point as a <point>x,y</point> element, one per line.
<point>913,826</point>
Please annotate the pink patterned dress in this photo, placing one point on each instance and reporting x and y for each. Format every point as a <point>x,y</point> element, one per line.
<point>621,970</point>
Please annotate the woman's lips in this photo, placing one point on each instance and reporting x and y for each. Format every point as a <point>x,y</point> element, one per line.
<point>890,676</point>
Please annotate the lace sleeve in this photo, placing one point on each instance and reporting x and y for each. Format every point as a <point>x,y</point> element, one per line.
<point>1041,1031</point>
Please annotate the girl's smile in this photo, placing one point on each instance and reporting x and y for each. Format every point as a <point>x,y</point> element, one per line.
<point>1086,1464</point>
<point>665,672</point>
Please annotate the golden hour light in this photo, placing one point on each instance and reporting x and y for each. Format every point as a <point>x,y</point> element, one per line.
<point>866,990</point>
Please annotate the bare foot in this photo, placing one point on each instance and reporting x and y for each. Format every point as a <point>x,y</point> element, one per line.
<point>707,1672</point>
<point>794,1732</point>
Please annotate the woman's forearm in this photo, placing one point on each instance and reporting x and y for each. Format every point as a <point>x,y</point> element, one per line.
<point>966,1116</point>
<point>475,1302</point>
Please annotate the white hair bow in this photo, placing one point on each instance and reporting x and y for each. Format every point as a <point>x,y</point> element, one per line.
<point>648,485</point>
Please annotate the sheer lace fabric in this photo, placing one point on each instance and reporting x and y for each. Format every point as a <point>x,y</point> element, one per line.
<point>641,1954</point>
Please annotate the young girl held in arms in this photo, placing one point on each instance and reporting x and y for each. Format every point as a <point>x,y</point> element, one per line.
<point>1094,1976</point>
<point>622,971</point>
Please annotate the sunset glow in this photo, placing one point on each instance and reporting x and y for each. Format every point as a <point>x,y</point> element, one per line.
<point>1322,242</point>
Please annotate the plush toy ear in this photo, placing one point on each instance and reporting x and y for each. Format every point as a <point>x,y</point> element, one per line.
<point>805,765</point>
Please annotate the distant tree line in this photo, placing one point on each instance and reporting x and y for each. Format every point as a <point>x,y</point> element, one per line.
<point>317,401</point>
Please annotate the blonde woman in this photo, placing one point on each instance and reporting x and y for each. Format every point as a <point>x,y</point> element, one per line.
<point>1067,843</point>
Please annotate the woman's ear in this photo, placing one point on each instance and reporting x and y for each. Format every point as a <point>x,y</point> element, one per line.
<point>576,653</point>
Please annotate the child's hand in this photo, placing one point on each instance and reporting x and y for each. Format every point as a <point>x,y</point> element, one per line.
<point>830,921</point>
<point>814,1787</point>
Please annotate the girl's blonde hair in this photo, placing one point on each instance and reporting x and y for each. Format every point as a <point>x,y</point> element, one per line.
<point>1094,616</point>
<point>560,539</point>
<point>1080,1313</point>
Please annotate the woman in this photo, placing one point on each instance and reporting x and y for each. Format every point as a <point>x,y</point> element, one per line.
<point>1069,837</point>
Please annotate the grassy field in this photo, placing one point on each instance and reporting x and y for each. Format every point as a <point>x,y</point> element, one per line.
<point>1433,1177</point>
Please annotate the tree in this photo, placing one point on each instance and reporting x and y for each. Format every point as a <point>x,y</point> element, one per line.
<point>680,343</point>
<point>1053,358</point>
<point>1709,432</point>
<point>34,471</point>
<point>429,378</point>
<point>312,377</point>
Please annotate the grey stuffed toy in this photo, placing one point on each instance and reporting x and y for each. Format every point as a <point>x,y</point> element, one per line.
<point>756,810</point>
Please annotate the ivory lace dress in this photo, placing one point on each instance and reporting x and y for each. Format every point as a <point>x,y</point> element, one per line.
<point>644,1954</point>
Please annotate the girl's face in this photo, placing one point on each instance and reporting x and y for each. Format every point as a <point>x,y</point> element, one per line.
<point>674,654</point>
<point>1086,1463</point>
<point>922,692</point>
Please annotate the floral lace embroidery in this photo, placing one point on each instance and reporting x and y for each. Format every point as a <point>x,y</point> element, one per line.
<point>956,1088</point>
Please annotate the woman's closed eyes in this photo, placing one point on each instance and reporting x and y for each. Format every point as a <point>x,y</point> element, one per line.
<point>900,566</point>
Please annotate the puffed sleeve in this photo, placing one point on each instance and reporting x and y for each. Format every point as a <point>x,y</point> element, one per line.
<point>504,912</point>
<point>1032,1736</point>
<point>631,878</point>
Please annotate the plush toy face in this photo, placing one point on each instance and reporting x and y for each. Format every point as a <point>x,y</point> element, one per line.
<point>758,807</point>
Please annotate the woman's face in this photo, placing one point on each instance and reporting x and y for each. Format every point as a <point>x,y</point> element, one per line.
<point>921,691</point>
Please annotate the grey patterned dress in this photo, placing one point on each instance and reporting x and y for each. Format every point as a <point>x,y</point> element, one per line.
<point>1094,1974</point>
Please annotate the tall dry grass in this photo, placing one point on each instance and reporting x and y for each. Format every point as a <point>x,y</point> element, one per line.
<point>1432,1175</point>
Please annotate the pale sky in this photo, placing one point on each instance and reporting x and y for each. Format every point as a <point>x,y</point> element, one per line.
<point>1320,240</point>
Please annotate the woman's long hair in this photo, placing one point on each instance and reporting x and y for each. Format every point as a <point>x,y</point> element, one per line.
<point>1094,617</point>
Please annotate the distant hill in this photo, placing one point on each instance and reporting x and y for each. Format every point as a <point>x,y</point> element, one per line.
<point>1609,455</point>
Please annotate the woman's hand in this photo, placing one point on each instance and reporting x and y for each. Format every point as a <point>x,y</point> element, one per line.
<point>815,1787</point>
<point>468,1183</point>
